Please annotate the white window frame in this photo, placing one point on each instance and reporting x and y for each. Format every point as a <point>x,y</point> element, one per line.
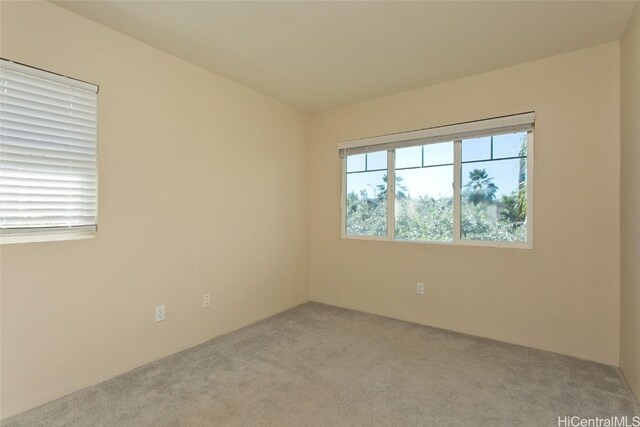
<point>53,233</point>
<point>455,133</point>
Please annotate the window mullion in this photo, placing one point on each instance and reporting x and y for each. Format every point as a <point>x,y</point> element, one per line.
<point>391,194</point>
<point>343,197</point>
<point>457,175</point>
<point>529,184</point>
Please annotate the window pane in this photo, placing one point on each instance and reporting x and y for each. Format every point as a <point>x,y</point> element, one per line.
<point>494,201</point>
<point>438,154</point>
<point>410,157</point>
<point>355,163</point>
<point>510,145</point>
<point>366,204</point>
<point>377,160</point>
<point>476,149</point>
<point>424,204</point>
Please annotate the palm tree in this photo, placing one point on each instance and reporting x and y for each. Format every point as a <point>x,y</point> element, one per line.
<point>480,187</point>
<point>514,206</point>
<point>510,211</point>
<point>401,190</point>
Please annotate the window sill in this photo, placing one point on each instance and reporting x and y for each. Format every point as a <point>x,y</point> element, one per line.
<point>480,243</point>
<point>47,237</point>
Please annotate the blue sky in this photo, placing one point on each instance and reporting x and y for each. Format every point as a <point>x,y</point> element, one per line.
<point>437,181</point>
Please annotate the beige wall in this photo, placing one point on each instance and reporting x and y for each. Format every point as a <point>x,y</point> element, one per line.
<point>630,204</point>
<point>561,296</point>
<point>203,189</point>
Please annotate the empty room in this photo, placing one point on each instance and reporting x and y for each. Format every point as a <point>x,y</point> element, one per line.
<point>319,213</point>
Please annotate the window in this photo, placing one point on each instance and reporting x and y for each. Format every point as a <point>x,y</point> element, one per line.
<point>424,192</point>
<point>367,194</point>
<point>469,183</point>
<point>48,173</point>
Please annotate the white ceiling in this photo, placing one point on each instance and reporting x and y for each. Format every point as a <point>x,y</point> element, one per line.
<point>321,55</point>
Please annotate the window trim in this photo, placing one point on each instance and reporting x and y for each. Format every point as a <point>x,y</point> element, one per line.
<point>473,129</point>
<point>436,135</point>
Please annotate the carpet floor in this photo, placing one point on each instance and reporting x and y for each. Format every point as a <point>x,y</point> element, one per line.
<point>317,365</point>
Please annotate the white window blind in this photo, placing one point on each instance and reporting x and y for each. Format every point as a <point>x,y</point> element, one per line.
<point>48,149</point>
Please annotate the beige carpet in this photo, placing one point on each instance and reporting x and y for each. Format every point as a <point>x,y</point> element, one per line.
<point>317,365</point>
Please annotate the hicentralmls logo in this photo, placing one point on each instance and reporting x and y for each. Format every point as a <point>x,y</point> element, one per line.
<point>576,421</point>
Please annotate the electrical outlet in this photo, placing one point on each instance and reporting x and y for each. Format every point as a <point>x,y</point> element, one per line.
<point>160,313</point>
<point>206,301</point>
<point>420,288</point>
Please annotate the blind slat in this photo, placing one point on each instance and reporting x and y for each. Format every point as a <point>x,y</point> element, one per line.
<point>22,198</point>
<point>51,118</point>
<point>43,183</point>
<point>40,137</point>
<point>6,156</point>
<point>60,102</point>
<point>31,176</point>
<point>25,191</point>
<point>48,221</point>
<point>21,142</point>
<point>47,169</point>
<point>32,212</point>
<point>34,99</point>
<point>21,150</point>
<point>13,121</point>
<point>73,96</point>
<point>18,206</point>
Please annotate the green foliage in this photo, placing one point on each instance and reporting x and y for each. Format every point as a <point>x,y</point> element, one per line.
<point>479,223</point>
<point>430,219</point>
<point>366,216</point>
<point>514,206</point>
<point>510,209</point>
<point>426,218</point>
